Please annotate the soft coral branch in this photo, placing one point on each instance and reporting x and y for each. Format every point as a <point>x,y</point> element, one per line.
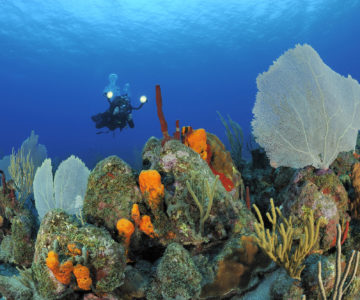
<point>3,179</point>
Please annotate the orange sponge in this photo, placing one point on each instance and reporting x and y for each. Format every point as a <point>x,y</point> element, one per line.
<point>83,278</point>
<point>125,229</point>
<point>135,214</point>
<point>147,227</point>
<point>196,140</point>
<point>74,250</point>
<point>150,182</point>
<point>52,260</point>
<point>62,273</point>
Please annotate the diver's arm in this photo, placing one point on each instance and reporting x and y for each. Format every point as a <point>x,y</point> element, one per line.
<point>138,107</point>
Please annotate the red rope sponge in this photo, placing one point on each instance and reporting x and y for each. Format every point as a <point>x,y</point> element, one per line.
<point>163,124</point>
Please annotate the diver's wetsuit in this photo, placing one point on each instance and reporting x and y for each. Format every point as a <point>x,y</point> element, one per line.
<point>118,115</point>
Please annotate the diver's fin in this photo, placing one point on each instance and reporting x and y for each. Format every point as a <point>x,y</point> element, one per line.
<point>100,132</point>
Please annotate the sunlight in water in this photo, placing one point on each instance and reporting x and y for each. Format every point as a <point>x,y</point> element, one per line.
<point>135,24</point>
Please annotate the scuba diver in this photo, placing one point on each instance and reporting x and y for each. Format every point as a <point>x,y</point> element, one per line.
<point>119,113</point>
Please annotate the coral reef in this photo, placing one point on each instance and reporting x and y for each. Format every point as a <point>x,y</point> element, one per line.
<point>181,227</point>
<point>174,231</point>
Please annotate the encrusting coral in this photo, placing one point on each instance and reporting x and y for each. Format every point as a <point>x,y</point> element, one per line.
<point>355,205</point>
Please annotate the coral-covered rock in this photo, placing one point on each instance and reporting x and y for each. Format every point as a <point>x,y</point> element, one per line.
<point>16,233</point>
<point>220,158</point>
<point>17,230</point>
<point>236,268</point>
<point>309,275</point>
<point>151,154</point>
<point>179,164</point>
<point>176,276</point>
<point>136,281</point>
<point>342,165</point>
<point>112,190</point>
<point>104,258</point>
<point>109,296</point>
<point>266,183</point>
<point>213,151</point>
<point>221,163</point>
<point>328,266</point>
<point>324,194</point>
<point>259,160</point>
<point>285,288</point>
<point>355,204</point>
<point>17,247</point>
<point>12,288</point>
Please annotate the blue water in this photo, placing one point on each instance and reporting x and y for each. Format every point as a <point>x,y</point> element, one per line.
<point>55,58</point>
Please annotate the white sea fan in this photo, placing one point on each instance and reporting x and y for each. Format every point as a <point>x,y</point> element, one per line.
<point>305,113</point>
<point>43,186</point>
<point>65,191</point>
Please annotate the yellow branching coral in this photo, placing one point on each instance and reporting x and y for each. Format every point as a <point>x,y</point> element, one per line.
<point>277,244</point>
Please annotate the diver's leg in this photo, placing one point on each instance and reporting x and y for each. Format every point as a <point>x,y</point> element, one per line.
<point>130,121</point>
<point>100,120</point>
